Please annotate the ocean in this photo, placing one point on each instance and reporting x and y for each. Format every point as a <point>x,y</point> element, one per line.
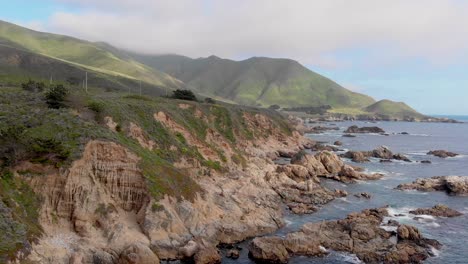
<point>423,137</point>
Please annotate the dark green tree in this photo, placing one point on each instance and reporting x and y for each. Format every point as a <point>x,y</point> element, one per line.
<point>184,95</point>
<point>55,96</point>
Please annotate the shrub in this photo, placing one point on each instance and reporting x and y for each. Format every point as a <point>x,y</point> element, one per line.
<point>55,96</point>
<point>209,100</point>
<point>274,107</point>
<point>32,86</point>
<point>184,95</point>
<point>96,107</point>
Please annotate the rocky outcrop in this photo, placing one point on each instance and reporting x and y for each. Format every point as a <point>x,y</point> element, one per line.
<point>359,233</point>
<point>382,152</point>
<point>322,147</point>
<point>320,129</point>
<point>329,165</point>
<point>438,210</point>
<point>356,156</point>
<point>356,129</point>
<point>454,185</point>
<point>442,154</point>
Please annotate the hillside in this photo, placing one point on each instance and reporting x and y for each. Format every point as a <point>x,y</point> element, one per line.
<point>97,57</point>
<point>257,81</point>
<point>392,109</point>
<point>18,65</point>
<point>113,169</point>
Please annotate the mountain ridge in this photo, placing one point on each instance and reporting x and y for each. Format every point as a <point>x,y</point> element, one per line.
<point>256,80</point>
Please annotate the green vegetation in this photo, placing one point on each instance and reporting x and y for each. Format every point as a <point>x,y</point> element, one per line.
<point>398,110</point>
<point>184,95</point>
<point>55,96</point>
<point>96,57</point>
<point>31,131</point>
<point>18,215</point>
<point>257,81</point>
<point>33,86</point>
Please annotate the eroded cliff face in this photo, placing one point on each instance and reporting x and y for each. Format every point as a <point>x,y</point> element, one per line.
<point>100,209</point>
<point>94,204</point>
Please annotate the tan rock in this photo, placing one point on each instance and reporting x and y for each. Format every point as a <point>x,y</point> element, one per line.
<point>269,249</point>
<point>138,254</point>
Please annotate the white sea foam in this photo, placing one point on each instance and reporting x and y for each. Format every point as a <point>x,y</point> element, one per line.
<point>425,217</point>
<point>389,228</point>
<point>323,249</point>
<point>350,258</point>
<point>419,153</point>
<point>435,252</point>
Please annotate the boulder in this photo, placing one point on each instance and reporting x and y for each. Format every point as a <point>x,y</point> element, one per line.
<point>268,250</point>
<point>438,210</point>
<point>138,253</point>
<point>299,243</point>
<point>349,135</point>
<point>338,143</point>
<point>356,156</point>
<point>233,254</point>
<point>442,153</point>
<point>340,193</point>
<point>426,161</point>
<point>363,195</point>
<point>207,255</point>
<point>190,249</point>
<point>382,152</point>
<point>401,157</point>
<point>406,232</point>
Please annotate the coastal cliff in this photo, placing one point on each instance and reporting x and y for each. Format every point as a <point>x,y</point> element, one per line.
<point>133,179</point>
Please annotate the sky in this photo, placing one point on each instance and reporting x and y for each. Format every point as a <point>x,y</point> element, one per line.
<point>413,51</point>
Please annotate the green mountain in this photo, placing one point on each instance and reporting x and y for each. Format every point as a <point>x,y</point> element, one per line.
<point>393,109</point>
<point>257,81</point>
<point>96,57</point>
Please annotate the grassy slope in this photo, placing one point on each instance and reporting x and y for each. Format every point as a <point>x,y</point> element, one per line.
<point>98,57</point>
<point>18,65</point>
<point>393,109</point>
<point>255,81</point>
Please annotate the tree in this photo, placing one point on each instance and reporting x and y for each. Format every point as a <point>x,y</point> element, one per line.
<point>184,95</point>
<point>55,96</point>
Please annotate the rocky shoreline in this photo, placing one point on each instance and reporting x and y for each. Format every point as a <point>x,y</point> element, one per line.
<point>242,202</point>
<point>361,233</point>
<point>453,185</point>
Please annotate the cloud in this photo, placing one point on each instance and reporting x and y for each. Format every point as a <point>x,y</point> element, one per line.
<point>309,31</point>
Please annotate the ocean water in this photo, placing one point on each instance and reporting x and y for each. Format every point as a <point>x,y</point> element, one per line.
<point>451,232</point>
